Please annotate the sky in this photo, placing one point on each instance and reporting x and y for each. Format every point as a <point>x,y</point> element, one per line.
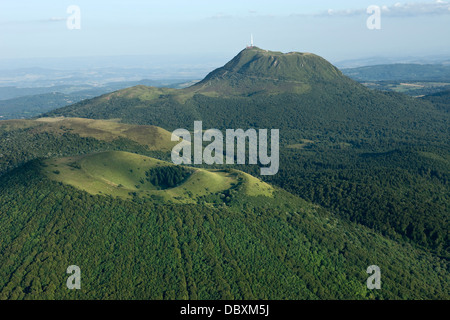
<point>336,30</point>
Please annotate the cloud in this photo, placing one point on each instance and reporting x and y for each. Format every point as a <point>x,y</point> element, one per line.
<point>438,7</point>
<point>221,15</point>
<point>28,22</point>
<point>399,9</point>
<point>56,19</point>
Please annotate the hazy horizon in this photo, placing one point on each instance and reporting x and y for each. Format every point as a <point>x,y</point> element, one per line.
<point>210,33</point>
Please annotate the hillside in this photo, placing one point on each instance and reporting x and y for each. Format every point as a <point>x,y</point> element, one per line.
<point>242,248</point>
<point>256,71</point>
<point>128,175</point>
<point>376,158</point>
<point>24,140</point>
<point>154,138</point>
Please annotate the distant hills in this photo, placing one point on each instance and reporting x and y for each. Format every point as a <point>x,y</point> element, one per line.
<point>415,80</point>
<point>375,61</point>
<point>400,72</point>
<point>11,92</point>
<point>18,102</point>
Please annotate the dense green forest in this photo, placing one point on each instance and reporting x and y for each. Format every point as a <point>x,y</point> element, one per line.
<point>403,194</point>
<point>167,177</point>
<point>440,99</point>
<point>400,192</point>
<point>250,248</point>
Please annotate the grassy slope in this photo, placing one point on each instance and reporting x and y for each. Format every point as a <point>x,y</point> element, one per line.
<point>121,173</point>
<point>154,138</point>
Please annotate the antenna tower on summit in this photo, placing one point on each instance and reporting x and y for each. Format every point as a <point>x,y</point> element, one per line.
<point>251,42</point>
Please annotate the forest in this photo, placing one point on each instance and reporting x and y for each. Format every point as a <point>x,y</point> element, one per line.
<point>249,248</point>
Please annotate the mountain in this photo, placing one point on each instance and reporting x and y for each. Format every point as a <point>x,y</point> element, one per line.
<point>363,180</point>
<point>376,158</point>
<point>256,71</point>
